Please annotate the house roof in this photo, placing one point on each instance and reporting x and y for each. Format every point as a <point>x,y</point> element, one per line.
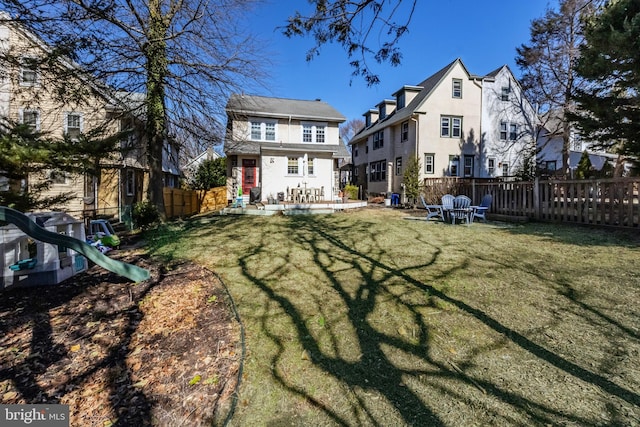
<point>338,151</point>
<point>427,86</point>
<point>248,105</point>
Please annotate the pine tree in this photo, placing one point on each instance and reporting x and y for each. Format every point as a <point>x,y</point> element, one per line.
<point>610,62</point>
<point>584,166</point>
<point>411,180</point>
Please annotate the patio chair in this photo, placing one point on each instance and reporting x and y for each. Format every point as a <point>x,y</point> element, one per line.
<point>433,211</point>
<point>481,211</point>
<point>461,210</point>
<point>447,205</point>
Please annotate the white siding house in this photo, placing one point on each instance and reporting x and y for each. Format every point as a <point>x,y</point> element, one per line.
<point>274,145</point>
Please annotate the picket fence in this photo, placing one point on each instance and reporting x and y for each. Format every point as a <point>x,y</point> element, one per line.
<point>611,202</point>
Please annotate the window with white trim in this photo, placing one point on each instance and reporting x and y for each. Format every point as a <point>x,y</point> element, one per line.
<point>31,118</point>
<point>456,91</point>
<point>491,166</point>
<point>28,71</point>
<point>263,130</point>
<point>292,166</point>
<point>310,166</point>
<point>73,125</point>
<point>314,133</point>
<point>378,171</point>
<point>453,165</point>
<point>378,139</point>
<point>450,127</point>
<point>504,94</point>
<point>130,182</point>
<point>398,166</point>
<point>404,132</point>
<point>513,132</point>
<point>503,131</point>
<point>429,163</point>
<point>400,100</point>
<point>505,169</point>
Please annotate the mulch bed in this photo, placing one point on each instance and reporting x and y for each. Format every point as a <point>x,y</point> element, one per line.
<point>161,352</point>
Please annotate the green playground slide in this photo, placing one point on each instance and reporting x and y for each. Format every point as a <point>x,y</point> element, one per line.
<point>32,229</point>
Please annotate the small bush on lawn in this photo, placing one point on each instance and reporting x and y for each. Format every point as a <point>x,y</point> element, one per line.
<point>144,214</point>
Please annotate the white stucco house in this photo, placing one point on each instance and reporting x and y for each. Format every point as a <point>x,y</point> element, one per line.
<point>274,145</point>
<point>457,123</point>
<point>510,125</point>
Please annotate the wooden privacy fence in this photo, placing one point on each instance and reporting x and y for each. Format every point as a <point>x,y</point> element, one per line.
<point>179,202</point>
<point>612,202</point>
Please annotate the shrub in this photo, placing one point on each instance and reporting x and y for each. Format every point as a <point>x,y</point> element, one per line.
<point>144,214</point>
<point>351,191</point>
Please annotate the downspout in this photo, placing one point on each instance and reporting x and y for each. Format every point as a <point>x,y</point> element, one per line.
<point>119,194</point>
<point>481,139</point>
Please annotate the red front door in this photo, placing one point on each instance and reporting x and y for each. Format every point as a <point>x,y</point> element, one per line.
<point>248,175</point>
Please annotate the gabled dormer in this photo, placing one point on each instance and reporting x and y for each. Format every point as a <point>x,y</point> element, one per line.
<point>386,107</point>
<point>370,117</point>
<point>405,95</point>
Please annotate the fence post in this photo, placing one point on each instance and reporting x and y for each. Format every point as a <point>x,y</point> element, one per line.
<point>536,198</point>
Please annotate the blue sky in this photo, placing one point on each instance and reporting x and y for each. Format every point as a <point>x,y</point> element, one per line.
<point>483,33</point>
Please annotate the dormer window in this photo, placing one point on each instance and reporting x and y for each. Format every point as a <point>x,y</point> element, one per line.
<point>400,100</point>
<point>383,111</point>
<point>367,120</point>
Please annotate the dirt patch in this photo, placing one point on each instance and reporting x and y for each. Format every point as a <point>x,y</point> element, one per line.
<point>161,352</point>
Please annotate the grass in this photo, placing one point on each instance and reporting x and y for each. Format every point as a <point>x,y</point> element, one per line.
<point>366,318</point>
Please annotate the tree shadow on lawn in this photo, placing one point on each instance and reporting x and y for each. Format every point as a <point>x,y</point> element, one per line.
<point>374,371</point>
<point>32,370</point>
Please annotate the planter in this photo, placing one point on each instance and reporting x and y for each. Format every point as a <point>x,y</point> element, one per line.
<point>387,203</point>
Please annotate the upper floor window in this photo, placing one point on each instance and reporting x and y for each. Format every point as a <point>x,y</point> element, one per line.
<point>313,132</point>
<point>28,71</point>
<point>404,132</point>
<point>355,151</point>
<point>503,131</point>
<point>58,177</point>
<point>513,132</point>
<point>457,88</point>
<point>378,139</point>
<point>450,127</point>
<point>400,100</point>
<point>73,125</point>
<point>263,130</point>
<point>31,118</point>
<point>367,120</point>
<point>504,94</point>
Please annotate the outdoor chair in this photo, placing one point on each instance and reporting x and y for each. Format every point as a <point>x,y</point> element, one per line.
<point>447,205</point>
<point>481,211</point>
<point>461,210</point>
<point>433,211</point>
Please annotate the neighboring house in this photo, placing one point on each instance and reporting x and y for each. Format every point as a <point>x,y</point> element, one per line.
<point>191,166</point>
<point>274,145</point>
<point>510,126</point>
<point>30,94</point>
<point>550,145</point>
<point>453,122</point>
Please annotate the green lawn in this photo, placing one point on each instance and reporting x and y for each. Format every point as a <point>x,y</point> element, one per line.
<point>367,318</point>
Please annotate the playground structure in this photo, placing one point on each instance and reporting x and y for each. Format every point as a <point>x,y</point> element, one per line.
<point>47,248</point>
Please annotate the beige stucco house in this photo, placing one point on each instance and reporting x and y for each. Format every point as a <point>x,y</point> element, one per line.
<point>451,121</point>
<point>274,145</point>
<point>59,98</point>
